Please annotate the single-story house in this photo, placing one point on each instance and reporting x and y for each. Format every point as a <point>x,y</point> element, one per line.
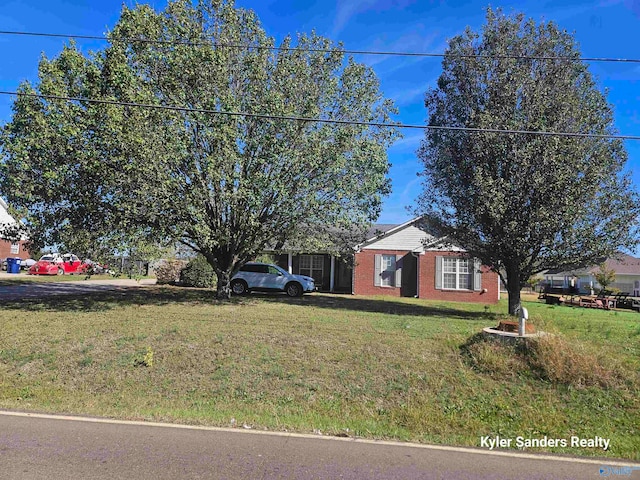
<point>392,260</point>
<point>626,267</point>
<point>10,248</point>
<point>396,262</point>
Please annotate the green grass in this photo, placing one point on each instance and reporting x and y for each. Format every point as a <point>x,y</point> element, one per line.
<point>362,366</point>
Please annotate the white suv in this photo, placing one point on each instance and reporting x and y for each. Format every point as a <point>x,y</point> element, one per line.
<point>264,277</point>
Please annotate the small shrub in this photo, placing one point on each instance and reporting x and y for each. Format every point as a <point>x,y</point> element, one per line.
<point>169,271</point>
<point>198,273</point>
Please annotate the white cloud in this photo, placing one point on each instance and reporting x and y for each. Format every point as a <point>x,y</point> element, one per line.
<point>416,39</point>
<point>347,9</point>
<point>406,97</point>
<point>409,143</point>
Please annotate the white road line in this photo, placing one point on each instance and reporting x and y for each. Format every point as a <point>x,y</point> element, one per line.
<point>475,451</point>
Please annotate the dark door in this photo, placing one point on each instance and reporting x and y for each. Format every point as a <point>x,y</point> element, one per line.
<point>409,286</point>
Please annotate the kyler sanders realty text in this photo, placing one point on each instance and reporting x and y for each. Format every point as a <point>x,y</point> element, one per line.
<point>544,442</point>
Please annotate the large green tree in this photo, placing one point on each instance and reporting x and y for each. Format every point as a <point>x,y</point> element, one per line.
<point>524,203</point>
<point>225,185</point>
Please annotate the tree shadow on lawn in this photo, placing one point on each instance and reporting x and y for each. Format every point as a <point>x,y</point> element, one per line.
<point>13,283</point>
<point>159,296</point>
<point>107,299</point>
<point>390,306</point>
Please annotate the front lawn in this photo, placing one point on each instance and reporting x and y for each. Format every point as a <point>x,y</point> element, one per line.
<point>341,365</point>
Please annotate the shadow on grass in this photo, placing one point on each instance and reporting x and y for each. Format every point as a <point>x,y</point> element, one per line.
<point>158,296</point>
<point>12,283</point>
<point>389,306</point>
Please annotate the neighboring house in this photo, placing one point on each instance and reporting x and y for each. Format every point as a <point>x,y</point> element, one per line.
<point>627,270</point>
<point>8,248</point>
<point>393,261</point>
<point>397,263</point>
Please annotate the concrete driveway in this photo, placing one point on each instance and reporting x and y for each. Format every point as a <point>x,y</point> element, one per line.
<point>35,289</point>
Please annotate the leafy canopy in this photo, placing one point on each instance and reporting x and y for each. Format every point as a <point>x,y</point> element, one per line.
<point>225,185</point>
<point>524,203</point>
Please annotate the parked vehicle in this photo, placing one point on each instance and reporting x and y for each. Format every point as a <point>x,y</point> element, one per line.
<point>264,277</point>
<point>27,263</point>
<point>56,264</point>
<point>24,263</point>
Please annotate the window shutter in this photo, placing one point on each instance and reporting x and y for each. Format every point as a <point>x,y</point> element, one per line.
<point>376,270</point>
<point>398,270</point>
<point>439,273</point>
<point>477,275</point>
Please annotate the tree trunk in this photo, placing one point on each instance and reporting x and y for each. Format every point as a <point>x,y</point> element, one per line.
<point>223,289</point>
<point>514,300</point>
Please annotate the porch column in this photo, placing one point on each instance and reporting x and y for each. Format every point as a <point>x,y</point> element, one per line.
<point>289,262</point>
<point>418,276</point>
<point>333,272</point>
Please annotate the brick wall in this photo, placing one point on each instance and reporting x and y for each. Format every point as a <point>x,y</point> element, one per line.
<point>363,281</point>
<point>365,269</point>
<point>5,250</point>
<point>427,287</point>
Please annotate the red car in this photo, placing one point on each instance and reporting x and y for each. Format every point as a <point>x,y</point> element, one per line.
<point>56,264</point>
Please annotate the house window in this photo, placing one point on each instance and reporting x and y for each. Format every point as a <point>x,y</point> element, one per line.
<point>312,266</point>
<point>457,273</point>
<point>15,249</point>
<point>388,271</point>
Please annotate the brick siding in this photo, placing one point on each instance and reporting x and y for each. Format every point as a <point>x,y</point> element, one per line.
<point>427,287</point>
<point>365,269</point>
<point>363,283</point>
<point>5,250</point>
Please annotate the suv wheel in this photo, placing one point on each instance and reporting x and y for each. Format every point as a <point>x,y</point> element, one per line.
<point>294,289</point>
<point>239,287</point>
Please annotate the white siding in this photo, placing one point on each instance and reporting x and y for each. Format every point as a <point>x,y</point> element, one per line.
<point>4,215</point>
<point>409,238</point>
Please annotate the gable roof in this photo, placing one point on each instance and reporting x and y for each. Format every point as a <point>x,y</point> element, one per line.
<point>378,229</point>
<point>623,264</point>
<point>408,236</point>
<point>374,235</point>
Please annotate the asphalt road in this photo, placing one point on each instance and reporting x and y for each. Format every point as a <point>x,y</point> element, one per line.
<point>35,289</point>
<point>45,447</point>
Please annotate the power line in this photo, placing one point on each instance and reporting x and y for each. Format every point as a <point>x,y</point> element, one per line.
<point>318,120</point>
<point>316,50</point>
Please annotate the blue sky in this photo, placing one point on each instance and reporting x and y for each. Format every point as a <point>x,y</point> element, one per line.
<point>606,28</point>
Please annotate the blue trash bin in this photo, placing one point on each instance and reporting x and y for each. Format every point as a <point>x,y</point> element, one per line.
<point>13,265</point>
